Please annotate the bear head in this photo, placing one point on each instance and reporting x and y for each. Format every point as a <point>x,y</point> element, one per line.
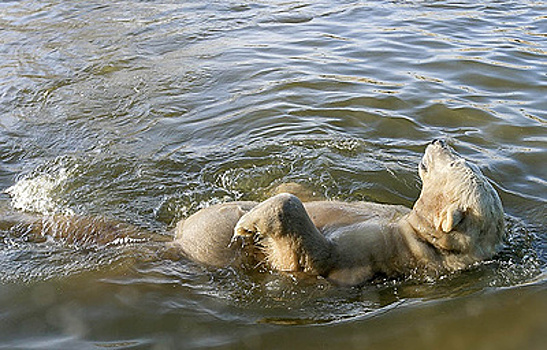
<point>458,210</point>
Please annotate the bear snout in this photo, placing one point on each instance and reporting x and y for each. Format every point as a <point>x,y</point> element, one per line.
<point>439,142</point>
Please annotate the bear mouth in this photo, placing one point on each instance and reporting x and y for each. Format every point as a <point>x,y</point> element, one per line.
<point>423,166</point>
<point>438,154</point>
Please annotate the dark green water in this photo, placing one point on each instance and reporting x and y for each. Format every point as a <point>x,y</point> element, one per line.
<point>146,111</point>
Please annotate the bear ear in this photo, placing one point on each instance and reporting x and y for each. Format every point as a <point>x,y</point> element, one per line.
<point>449,218</point>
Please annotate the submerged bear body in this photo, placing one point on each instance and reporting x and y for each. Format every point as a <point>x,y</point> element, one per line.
<point>456,221</point>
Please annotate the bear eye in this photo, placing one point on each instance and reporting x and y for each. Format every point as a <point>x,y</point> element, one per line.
<point>453,164</point>
<point>423,167</point>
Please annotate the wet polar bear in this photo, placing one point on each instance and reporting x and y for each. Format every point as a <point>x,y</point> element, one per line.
<point>456,221</point>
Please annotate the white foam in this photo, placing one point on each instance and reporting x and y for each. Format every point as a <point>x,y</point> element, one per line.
<point>38,194</point>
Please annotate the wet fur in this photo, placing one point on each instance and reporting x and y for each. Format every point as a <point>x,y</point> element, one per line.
<point>456,221</point>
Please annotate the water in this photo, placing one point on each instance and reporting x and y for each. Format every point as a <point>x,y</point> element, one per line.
<point>148,111</point>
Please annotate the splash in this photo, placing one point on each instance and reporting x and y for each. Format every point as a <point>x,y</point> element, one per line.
<point>39,194</point>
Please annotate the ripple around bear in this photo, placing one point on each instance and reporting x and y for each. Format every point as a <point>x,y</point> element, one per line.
<point>456,221</point>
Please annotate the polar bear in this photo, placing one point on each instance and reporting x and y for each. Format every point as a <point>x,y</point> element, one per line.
<point>456,221</point>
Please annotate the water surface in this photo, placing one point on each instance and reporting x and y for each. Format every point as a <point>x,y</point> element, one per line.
<point>147,111</point>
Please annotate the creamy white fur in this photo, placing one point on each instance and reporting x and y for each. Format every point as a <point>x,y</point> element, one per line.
<point>456,221</point>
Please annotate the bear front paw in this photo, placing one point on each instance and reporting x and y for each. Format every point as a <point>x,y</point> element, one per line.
<point>244,233</point>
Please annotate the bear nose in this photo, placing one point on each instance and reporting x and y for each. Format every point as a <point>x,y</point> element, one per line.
<point>439,142</point>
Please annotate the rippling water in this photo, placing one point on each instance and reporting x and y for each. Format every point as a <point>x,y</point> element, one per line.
<point>148,111</point>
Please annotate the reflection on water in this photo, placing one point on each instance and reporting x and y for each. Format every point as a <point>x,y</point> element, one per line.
<point>147,112</point>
